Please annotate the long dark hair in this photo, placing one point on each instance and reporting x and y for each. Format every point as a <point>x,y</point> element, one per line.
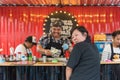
<point>83,30</point>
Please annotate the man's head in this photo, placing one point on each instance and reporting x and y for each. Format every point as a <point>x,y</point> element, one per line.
<point>56,28</point>
<point>30,40</point>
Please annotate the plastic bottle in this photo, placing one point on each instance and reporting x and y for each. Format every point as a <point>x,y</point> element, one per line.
<point>30,57</point>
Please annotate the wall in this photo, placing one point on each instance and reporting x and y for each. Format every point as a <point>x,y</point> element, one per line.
<point>18,22</point>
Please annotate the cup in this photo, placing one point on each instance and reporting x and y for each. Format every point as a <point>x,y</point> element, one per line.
<point>44,59</point>
<point>34,58</point>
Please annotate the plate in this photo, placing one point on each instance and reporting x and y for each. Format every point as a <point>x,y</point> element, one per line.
<point>50,59</point>
<point>116,60</point>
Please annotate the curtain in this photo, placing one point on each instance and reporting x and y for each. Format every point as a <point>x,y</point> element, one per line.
<point>18,22</point>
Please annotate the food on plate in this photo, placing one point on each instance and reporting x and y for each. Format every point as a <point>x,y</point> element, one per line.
<point>116,56</point>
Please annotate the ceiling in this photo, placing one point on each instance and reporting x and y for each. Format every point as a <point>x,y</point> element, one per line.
<point>59,2</point>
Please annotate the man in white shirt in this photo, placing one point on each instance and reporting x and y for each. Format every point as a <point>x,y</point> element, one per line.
<point>24,49</point>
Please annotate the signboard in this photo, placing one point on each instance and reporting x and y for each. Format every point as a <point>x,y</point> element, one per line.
<point>68,20</point>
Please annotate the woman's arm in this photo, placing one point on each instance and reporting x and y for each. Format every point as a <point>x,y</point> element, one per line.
<point>68,73</point>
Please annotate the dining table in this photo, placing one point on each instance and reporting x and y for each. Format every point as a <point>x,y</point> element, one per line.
<point>61,63</point>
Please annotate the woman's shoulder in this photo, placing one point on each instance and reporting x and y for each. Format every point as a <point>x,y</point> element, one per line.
<point>82,44</point>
